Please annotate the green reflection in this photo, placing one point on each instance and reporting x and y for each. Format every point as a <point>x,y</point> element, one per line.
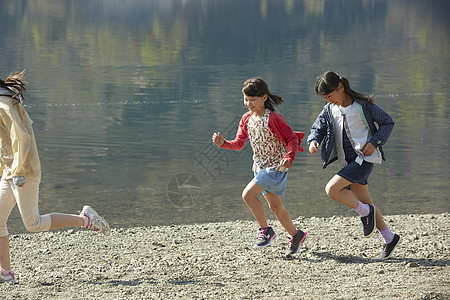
<point>125,95</point>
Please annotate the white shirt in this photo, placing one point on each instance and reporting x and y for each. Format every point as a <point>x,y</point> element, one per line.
<point>358,133</point>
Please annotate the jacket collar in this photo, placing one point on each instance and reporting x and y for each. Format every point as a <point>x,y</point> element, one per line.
<point>5,92</point>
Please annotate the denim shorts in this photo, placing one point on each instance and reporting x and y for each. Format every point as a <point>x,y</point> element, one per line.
<point>356,173</point>
<point>272,181</point>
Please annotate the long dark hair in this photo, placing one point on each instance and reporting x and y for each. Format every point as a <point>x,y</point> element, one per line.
<point>15,83</point>
<point>328,82</point>
<point>257,87</point>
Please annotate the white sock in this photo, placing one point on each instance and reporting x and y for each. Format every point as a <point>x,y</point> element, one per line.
<point>387,235</point>
<point>362,209</point>
<point>86,221</point>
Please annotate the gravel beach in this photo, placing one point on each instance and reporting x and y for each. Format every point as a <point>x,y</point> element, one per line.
<point>218,261</point>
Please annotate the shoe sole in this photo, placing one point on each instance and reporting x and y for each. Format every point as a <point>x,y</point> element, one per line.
<point>9,282</point>
<point>399,240</point>
<point>270,242</point>
<point>302,242</point>
<point>374,221</point>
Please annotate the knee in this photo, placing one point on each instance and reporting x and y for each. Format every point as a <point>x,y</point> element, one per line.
<point>246,196</point>
<point>331,190</point>
<point>41,223</point>
<point>33,227</point>
<point>249,196</point>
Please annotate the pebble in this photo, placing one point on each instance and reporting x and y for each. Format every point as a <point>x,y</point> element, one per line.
<point>148,263</point>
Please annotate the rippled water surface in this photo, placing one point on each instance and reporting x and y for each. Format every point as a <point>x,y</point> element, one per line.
<point>125,97</point>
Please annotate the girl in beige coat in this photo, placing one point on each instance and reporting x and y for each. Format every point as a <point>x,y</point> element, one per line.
<point>20,172</point>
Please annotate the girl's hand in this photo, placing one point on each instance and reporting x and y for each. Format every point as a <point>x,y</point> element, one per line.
<point>218,139</point>
<point>313,147</point>
<point>285,162</point>
<point>368,149</point>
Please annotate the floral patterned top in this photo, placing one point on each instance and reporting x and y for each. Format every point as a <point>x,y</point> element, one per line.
<point>268,150</point>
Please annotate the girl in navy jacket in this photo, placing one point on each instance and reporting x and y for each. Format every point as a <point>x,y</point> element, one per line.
<point>352,131</point>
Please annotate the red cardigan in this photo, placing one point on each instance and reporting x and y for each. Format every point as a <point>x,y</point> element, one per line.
<point>277,125</point>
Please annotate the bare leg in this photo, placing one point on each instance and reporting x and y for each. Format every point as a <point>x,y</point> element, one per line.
<point>281,212</point>
<point>336,190</point>
<point>5,259</point>
<point>65,220</point>
<point>361,192</point>
<point>250,196</point>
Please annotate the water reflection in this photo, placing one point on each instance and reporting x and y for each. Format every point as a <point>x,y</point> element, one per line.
<point>125,97</point>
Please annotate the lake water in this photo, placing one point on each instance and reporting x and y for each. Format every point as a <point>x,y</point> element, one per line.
<point>125,96</point>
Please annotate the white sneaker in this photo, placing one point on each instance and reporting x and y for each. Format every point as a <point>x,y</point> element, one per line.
<point>96,222</point>
<point>7,277</point>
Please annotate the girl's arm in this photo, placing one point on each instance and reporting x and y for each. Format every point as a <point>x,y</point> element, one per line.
<point>385,126</point>
<point>240,139</point>
<point>318,131</point>
<point>20,139</point>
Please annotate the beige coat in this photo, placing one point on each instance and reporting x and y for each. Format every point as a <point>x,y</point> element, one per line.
<point>18,150</point>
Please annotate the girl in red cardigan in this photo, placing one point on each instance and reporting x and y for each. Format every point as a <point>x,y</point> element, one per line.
<point>274,147</point>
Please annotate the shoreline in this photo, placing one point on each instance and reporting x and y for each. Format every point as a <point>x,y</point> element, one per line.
<point>217,260</point>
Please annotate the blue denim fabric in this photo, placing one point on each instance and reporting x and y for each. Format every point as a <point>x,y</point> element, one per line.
<point>272,181</point>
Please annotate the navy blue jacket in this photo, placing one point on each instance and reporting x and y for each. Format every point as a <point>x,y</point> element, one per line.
<point>322,131</point>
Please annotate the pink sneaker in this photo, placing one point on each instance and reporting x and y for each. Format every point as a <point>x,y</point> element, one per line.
<point>96,222</point>
<point>6,276</point>
<point>295,242</point>
<point>265,236</point>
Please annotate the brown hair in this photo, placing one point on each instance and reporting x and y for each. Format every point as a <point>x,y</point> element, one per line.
<point>257,87</point>
<point>16,83</point>
<point>329,81</point>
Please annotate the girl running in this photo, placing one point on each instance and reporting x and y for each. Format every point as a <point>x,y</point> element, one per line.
<point>21,174</point>
<point>347,131</point>
<point>274,147</point>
